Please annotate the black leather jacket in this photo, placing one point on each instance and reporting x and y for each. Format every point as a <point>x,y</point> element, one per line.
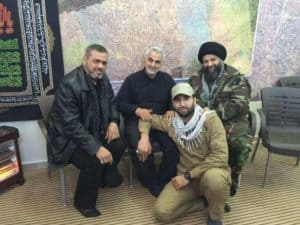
<point>71,122</point>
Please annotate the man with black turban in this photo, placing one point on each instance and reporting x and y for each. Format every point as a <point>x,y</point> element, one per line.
<point>225,90</point>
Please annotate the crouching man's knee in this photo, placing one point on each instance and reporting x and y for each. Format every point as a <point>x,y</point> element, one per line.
<point>216,180</point>
<point>162,213</point>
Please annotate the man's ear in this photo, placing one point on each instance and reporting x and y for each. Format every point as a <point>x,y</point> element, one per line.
<point>172,105</point>
<point>84,59</point>
<point>194,100</point>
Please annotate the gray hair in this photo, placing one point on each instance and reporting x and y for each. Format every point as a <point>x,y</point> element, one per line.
<point>156,49</point>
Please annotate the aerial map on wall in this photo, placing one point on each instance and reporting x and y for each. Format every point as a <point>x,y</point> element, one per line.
<point>31,64</point>
<point>30,68</point>
<point>277,43</point>
<point>127,29</point>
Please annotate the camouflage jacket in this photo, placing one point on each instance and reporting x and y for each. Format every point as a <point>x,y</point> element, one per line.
<point>229,96</point>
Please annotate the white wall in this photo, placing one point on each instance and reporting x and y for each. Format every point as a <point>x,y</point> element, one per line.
<point>31,141</point>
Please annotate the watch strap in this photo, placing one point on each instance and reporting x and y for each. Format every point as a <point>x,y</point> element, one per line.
<point>187,175</point>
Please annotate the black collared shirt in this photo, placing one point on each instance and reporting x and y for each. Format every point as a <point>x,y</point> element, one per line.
<point>138,90</point>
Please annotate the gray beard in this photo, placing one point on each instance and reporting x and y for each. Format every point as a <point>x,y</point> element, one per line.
<point>150,72</point>
<point>95,76</point>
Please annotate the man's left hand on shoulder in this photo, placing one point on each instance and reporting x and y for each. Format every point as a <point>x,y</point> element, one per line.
<point>169,115</point>
<point>112,132</point>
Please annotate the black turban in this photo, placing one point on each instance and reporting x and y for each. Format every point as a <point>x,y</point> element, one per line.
<point>212,48</point>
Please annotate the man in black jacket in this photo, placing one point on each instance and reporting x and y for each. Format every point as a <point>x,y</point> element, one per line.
<point>142,93</point>
<point>83,129</point>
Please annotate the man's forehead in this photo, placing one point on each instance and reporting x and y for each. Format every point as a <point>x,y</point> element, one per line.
<point>96,54</point>
<point>154,55</point>
<point>210,56</point>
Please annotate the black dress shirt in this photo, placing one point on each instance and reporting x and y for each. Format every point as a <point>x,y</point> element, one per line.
<point>138,90</point>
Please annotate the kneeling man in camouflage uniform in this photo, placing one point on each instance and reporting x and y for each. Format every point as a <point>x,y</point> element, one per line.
<point>203,170</point>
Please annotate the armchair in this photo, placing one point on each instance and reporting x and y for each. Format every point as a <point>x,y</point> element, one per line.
<point>280,122</point>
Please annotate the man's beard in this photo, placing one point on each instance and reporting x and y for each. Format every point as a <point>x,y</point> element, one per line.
<point>96,75</point>
<point>188,114</point>
<point>151,72</point>
<point>211,75</point>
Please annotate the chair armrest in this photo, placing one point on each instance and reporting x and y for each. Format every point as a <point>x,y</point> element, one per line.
<point>264,128</point>
<point>122,127</point>
<point>253,122</point>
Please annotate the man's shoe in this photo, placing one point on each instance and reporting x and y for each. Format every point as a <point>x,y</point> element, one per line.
<point>89,212</point>
<point>112,177</point>
<point>227,207</point>
<point>233,189</point>
<point>214,222</point>
<point>205,201</point>
<point>234,185</point>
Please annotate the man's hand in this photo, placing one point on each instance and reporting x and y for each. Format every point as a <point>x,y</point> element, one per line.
<point>104,156</point>
<point>144,114</point>
<point>144,147</point>
<point>179,182</point>
<point>169,115</point>
<point>112,132</point>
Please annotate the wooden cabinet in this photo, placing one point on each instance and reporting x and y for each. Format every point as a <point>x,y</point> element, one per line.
<point>10,162</point>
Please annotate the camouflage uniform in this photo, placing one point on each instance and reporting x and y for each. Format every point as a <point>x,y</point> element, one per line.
<point>229,96</point>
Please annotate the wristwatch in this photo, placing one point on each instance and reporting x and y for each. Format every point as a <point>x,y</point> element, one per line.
<point>187,175</point>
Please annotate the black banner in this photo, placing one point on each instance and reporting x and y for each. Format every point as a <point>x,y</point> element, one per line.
<point>31,61</point>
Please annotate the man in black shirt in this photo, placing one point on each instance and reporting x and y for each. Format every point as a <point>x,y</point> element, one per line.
<point>142,93</point>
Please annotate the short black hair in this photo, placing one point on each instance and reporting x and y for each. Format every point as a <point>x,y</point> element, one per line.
<point>96,47</point>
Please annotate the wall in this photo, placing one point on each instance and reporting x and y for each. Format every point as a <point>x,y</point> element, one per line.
<point>31,141</point>
<point>276,50</point>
